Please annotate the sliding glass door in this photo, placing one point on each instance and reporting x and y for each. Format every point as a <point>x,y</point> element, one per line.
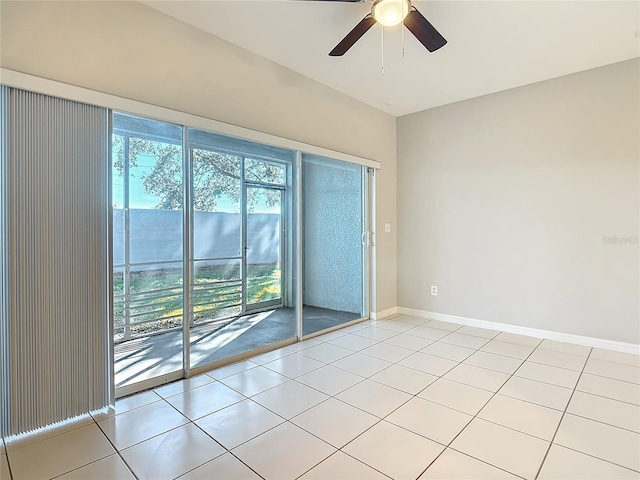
<point>207,235</point>
<point>335,243</point>
<point>215,253</point>
<point>237,248</point>
<point>147,249</point>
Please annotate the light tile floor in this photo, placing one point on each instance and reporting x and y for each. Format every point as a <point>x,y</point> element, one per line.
<point>402,398</point>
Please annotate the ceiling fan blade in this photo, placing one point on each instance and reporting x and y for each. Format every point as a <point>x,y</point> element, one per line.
<point>424,31</point>
<point>353,36</point>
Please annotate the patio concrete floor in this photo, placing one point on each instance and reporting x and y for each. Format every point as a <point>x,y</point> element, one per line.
<point>148,357</point>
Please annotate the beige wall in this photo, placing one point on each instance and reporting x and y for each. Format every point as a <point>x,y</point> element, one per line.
<point>130,50</point>
<point>504,201</point>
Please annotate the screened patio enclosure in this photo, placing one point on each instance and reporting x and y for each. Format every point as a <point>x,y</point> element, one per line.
<point>223,247</point>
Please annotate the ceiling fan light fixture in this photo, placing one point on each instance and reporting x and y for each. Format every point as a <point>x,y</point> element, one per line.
<point>390,12</point>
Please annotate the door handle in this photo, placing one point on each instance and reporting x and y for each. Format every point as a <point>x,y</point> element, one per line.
<point>366,239</point>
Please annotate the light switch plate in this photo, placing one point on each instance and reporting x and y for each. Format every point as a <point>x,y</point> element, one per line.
<point>387,228</point>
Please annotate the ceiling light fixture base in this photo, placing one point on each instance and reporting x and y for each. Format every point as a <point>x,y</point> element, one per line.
<point>390,13</point>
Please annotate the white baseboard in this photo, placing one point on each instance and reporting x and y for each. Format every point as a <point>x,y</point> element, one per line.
<point>383,313</point>
<point>531,332</point>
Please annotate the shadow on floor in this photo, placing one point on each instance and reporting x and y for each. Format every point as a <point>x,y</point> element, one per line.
<point>143,358</point>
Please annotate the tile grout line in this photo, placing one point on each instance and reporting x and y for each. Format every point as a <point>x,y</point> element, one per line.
<point>6,454</point>
<point>438,376</point>
<point>535,348</point>
<point>116,449</point>
<point>380,419</point>
<point>91,463</point>
<point>544,459</point>
<point>473,418</point>
<point>514,374</point>
<point>227,450</point>
<point>391,364</point>
<point>241,461</point>
<point>345,453</point>
<point>200,429</point>
<point>285,420</point>
<point>398,407</point>
<point>635,365</point>
<point>412,396</point>
<point>598,458</point>
<point>216,458</point>
<point>593,420</point>
<point>610,398</point>
<point>340,449</point>
<point>616,379</point>
<point>67,428</point>
<point>604,423</point>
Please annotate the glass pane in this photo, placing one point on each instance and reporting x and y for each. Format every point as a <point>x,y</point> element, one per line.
<point>216,284</point>
<point>118,199</point>
<point>217,289</point>
<point>155,235</point>
<point>267,172</point>
<point>118,303</point>
<point>155,298</point>
<point>148,248</point>
<point>264,272</point>
<point>332,243</point>
<point>216,204</point>
<point>227,213</point>
<point>155,200</point>
<point>216,299</point>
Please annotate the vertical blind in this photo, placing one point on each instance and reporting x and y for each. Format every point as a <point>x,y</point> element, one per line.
<point>5,404</point>
<point>54,213</point>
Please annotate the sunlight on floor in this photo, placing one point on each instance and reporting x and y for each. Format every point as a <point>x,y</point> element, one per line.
<point>203,346</point>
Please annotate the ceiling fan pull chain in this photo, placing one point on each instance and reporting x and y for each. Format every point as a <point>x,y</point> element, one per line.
<point>382,30</point>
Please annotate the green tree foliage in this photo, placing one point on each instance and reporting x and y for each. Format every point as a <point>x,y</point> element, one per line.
<point>214,175</point>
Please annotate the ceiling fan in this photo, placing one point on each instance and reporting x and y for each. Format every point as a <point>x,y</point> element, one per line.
<point>390,13</point>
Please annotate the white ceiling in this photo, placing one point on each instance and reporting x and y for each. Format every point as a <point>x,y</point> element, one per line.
<point>493,45</point>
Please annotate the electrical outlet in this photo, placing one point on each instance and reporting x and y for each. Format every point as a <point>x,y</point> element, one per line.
<point>434,290</point>
<point>387,228</point>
